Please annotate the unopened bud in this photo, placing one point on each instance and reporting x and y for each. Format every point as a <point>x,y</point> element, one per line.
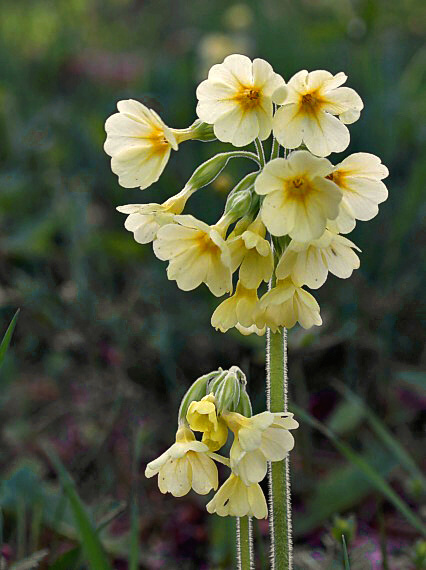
<point>244,405</point>
<point>202,131</point>
<point>227,388</point>
<point>197,391</point>
<point>238,203</point>
<point>207,172</point>
<point>344,527</point>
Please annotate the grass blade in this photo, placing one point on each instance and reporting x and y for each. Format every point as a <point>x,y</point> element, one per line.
<point>90,541</point>
<point>385,436</point>
<point>8,337</point>
<point>345,554</point>
<point>370,472</point>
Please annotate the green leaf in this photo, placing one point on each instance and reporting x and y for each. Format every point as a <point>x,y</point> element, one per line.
<point>345,554</point>
<point>8,337</point>
<point>366,468</point>
<point>134,537</point>
<point>386,436</point>
<point>68,560</point>
<point>90,541</point>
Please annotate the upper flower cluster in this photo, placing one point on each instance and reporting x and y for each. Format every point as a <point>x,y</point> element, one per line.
<point>283,223</point>
<point>189,463</point>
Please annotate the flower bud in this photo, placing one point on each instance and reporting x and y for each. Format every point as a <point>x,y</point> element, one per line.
<point>198,131</point>
<point>344,527</point>
<point>207,172</point>
<point>226,388</point>
<point>238,203</point>
<point>197,391</point>
<point>244,405</point>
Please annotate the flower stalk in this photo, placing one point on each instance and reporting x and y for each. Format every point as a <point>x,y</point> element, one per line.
<point>245,543</point>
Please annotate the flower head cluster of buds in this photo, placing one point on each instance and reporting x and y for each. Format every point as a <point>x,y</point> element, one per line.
<point>287,220</point>
<point>215,405</point>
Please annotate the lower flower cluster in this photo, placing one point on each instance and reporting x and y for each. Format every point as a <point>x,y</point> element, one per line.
<point>190,463</point>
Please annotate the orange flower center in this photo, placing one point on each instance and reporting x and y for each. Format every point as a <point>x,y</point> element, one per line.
<point>248,97</point>
<point>311,103</point>
<point>207,246</point>
<point>298,187</point>
<point>159,143</point>
<point>338,177</point>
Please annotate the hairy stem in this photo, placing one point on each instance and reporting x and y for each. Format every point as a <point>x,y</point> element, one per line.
<point>260,152</point>
<point>278,472</point>
<point>245,543</point>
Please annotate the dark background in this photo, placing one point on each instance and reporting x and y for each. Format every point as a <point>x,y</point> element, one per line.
<point>105,345</point>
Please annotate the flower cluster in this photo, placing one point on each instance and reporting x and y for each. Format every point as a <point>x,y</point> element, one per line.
<point>190,463</point>
<point>284,223</point>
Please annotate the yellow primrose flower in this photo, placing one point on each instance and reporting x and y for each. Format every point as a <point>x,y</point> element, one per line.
<point>298,198</point>
<point>307,115</point>
<point>285,304</point>
<point>144,220</point>
<point>238,500</point>
<point>257,440</point>
<point>359,177</point>
<point>252,253</point>
<point>241,308</point>
<point>197,253</point>
<point>183,466</point>
<point>201,416</point>
<point>139,144</point>
<point>309,263</point>
<point>237,99</point>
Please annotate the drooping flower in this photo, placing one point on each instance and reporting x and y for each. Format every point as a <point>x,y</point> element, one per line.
<point>252,253</point>
<point>285,305</point>
<point>202,416</point>
<point>237,99</point>
<point>298,198</point>
<point>239,309</point>
<point>359,177</point>
<point>197,253</point>
<point>257,440</point>
<point>236,499</point>
<point>309,263</point>
<point>183,466</point>
<point>139,144</point>
<point>144,220</point>
<point>315,110</point>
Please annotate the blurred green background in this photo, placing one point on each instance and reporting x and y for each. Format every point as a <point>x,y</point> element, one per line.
<point>105,346</point>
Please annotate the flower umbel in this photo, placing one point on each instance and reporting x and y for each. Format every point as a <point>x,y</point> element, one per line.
<point>309,112</point>
<point>183,466</point>
<point>237,99</point>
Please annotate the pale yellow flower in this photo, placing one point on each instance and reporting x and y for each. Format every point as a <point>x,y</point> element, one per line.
<point>139,144</point>
<point>285,304</point>
<point>298,198</point>
<point>183,466</point>
<point>309,263</point>
<point>238,500</point>
<point>252,253</point>
<point>308,112</point>
<point>144,220</point>
<point>202,416</point>
<point>359,177</point>
<point>197,253</point>
<point>237,99</point>
<point>253,329</point>
<point>239,309</point>
<point>257,440</point>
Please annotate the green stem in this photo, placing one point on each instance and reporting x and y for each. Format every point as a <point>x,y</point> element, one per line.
<point>275,152</point>
<point>260,152</point>
<point>245,543</point>
<point>279,472</point>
